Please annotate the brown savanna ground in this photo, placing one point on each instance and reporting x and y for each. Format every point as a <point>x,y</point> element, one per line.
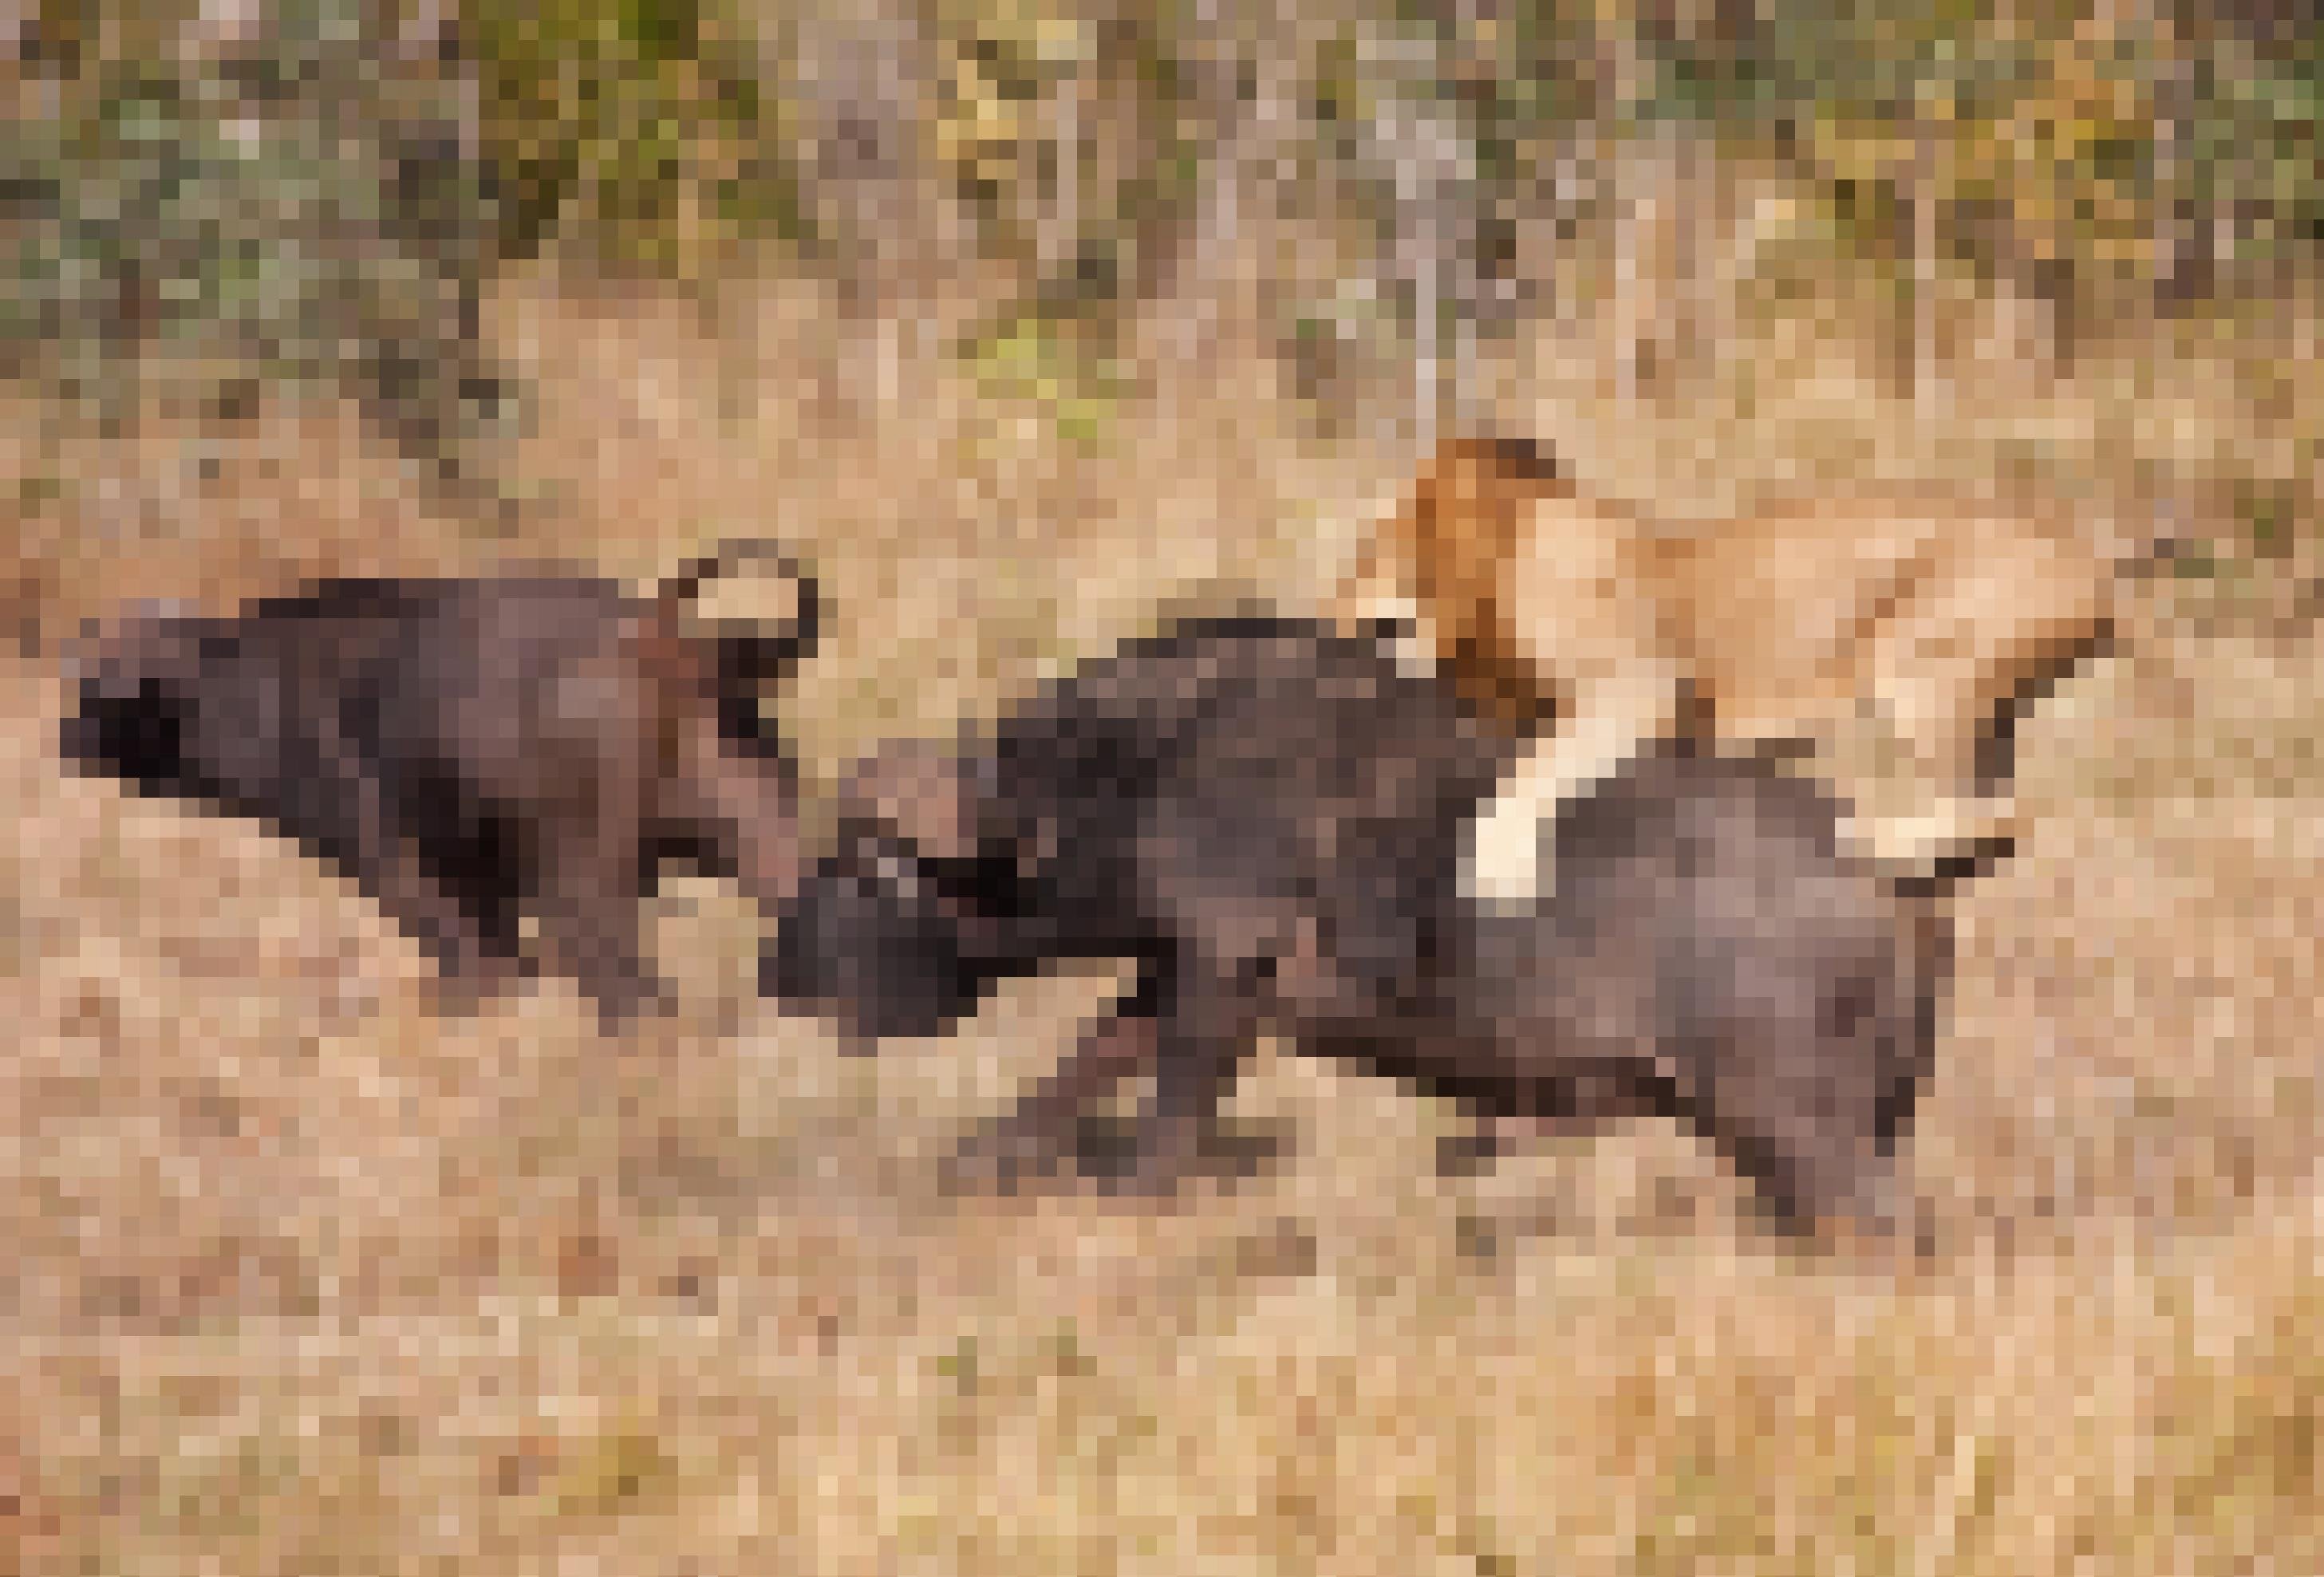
<point>301,1280</point>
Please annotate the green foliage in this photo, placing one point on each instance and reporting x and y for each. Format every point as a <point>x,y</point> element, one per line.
<point>319,200</point>
<point>1055,363</point>
<point>263,204</point>
<point>638,124</point>
<point>2049,141</point>
<point>2071,154</point>
<point>258,208</point>
<point>1075,139</point>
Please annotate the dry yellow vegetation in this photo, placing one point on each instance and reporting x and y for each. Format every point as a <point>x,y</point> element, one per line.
<point>302,1281</point>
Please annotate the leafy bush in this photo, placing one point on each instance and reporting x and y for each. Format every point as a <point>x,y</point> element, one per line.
<point>638,125</point>
<point>279,205</point>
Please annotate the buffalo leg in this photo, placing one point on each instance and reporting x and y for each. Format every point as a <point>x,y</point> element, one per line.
<point>1041,1128</point>
<point>423,907</point>
<point>1571,1108</point>
<point>590,927</point>
<point>1203,1028</point>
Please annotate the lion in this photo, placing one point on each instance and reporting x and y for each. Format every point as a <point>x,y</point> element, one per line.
<point>1887,641</point>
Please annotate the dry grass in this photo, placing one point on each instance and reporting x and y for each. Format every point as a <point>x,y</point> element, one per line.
<point>305,1281</point>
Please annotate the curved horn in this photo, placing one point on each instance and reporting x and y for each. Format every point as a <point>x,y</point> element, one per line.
<point>750,652</point>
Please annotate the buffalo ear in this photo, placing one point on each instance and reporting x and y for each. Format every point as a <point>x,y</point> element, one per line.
<point>920,791</point>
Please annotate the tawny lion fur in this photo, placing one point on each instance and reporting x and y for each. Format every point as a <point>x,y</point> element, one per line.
<point>1890,638</point>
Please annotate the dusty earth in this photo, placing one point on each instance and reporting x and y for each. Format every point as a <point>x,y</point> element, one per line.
<point>303,1280</point>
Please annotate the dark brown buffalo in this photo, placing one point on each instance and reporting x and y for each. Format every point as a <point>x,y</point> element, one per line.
<point>479,754</point>
<point>1267,819</point>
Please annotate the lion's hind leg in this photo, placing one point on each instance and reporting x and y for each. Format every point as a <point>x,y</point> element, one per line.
<point>1929,758</point>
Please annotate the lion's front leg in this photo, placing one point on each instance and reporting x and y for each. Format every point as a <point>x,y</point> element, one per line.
<point>1509,862</point>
